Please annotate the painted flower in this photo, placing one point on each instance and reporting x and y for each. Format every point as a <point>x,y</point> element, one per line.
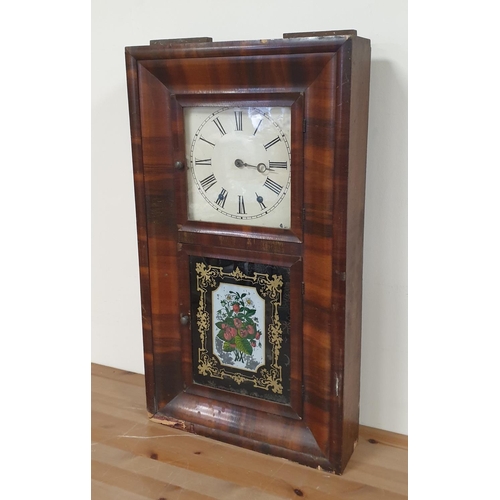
<point>237,322</point>
<point>229,333</point>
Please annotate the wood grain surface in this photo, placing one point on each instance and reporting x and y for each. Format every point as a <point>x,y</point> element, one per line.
<point>135,459</point>
<point>325,81</point>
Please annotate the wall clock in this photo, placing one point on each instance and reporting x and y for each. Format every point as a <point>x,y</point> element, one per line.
<point>249,171</point>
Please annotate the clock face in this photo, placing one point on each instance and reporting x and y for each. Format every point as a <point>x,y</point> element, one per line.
<point>239,161</point>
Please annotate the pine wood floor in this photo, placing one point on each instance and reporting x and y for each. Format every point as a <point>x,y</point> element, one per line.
<point>135,459</point>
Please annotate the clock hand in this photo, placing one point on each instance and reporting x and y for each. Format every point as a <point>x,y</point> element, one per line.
<point>241,163</point>
<point>260,201</point>
<point>261,167</point>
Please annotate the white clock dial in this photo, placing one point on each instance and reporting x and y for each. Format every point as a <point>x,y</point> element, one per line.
<point>239,161</point>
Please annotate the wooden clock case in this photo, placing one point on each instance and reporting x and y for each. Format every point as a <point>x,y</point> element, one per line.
<point>324,78</point>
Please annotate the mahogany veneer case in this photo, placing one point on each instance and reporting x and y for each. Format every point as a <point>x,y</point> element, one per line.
<point>251,304</point>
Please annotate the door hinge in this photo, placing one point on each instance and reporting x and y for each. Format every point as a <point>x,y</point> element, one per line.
<point>303,288</point>
<point>304,126</point>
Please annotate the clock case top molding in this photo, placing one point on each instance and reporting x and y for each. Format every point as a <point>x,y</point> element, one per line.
<point>324,78</point>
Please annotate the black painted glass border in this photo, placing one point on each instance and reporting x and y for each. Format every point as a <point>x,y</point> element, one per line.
<point>269,381</point>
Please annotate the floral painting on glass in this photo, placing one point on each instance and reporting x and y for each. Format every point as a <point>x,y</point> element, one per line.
<point>240,336</point>
<point>239,319</point>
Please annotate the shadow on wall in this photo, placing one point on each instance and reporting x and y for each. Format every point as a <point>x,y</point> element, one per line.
<point>384,360</point>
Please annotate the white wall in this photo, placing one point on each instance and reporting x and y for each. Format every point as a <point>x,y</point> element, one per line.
<point>116,311</point>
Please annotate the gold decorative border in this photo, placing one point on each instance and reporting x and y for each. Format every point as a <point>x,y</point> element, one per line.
<point>270,287</point>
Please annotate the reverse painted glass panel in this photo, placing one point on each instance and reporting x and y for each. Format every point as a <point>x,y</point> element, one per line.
<point>240,327</point>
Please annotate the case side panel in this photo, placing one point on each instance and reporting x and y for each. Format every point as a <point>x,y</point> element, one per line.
<point>358,130</point>
<point>141,222</point>
<point>350,161</point>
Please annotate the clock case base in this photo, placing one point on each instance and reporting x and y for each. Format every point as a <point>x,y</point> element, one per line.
<point>327,75</point>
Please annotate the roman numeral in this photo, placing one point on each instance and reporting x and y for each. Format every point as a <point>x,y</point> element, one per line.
<point>218,124</point>
<point>238,117</point>
<point>208,142</point>
<point>273,186</point>
<point>207,161</point>
<point>241,205</point>
<point>271,143</point>
<point>221,199</point>
<point>257,128</point>
<point>277,164</point>
<point>208,182</point>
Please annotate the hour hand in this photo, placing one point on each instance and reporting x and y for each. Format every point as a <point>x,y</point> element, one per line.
<point>240,163</point>
<point>261,167</point>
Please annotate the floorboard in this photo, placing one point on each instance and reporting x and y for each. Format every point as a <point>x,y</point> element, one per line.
<point>135,459</point>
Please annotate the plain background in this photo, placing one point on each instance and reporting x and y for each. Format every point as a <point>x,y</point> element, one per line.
<point>116,312</point>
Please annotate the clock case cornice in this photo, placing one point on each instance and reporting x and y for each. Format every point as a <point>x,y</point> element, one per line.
<point>326,77</point>
<point>299,43</point>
